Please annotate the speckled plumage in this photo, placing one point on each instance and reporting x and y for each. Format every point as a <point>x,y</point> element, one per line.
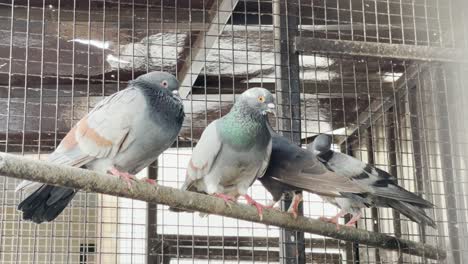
<point>383,190</point>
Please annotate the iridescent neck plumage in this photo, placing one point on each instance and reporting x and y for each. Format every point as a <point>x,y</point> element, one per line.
<point>244,126</point>
<point>243,110</point>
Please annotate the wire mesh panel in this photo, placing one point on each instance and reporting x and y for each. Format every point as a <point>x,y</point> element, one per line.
<point>385,78</point>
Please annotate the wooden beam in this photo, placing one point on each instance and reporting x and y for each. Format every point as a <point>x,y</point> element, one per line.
<point>311,46</point>
<point>195,61</point>
<point>60,175</point>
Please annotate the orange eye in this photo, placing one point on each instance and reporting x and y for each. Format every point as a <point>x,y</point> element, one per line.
<point>261,99</point>
<point>164,84</point>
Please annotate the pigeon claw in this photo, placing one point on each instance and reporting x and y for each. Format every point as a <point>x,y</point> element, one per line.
<point>125,176</point>
<point>258,205</point>
<point>353,220</point>
<point>226,198</point>
<point>294,208</point>
<point>293,211</point>
<point>333,220</point>
<point>150,181</point>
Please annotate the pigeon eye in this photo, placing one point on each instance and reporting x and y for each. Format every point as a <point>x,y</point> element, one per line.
<point>261,99</point>
<point>164,84</point>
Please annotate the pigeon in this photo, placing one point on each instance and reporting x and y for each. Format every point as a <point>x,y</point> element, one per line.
<point>123,134</point>
<point>384,190</point>
<point>293,169</point>
<point>233,151</point>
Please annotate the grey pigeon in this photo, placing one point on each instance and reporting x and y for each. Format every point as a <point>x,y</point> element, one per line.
<point>292,169</point>
<point>123,134</point>
<point>384,191</point>
<point>234,150</point>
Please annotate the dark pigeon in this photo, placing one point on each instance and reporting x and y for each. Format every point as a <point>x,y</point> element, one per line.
<point>292,169</point>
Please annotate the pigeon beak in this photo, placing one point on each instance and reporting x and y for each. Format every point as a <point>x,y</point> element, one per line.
<point>271,108</point>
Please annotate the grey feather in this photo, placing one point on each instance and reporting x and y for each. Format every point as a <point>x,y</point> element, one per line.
<point>292,168</point>
<point>384,190</point>
<point>234,150</point>
<point>129,130</point>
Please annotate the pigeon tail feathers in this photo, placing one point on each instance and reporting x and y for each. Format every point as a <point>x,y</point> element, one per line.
<point>413,212</point>
<point>46,203</point>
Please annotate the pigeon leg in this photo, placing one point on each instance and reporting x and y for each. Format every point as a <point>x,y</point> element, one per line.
<point>150,181</point>
<point>334,220</point>
<point>293,209</point>
<point>354,219</point>
<point>127,177</point>
<point>259,206</point>
<point>226,198</point>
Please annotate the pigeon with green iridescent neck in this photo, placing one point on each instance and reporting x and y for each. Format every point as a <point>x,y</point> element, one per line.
<point>234,150</point>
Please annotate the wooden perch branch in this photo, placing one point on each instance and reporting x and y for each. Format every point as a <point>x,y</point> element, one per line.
<point>24,168</point>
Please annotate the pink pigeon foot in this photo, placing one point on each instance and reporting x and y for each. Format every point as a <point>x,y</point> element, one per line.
<point>150,181</point>
<point>127,177</point>
<point>258,205</point>
<point>293,209</point>
<point>334,220</point>
<point>353,220</point>
<point>226,198</point>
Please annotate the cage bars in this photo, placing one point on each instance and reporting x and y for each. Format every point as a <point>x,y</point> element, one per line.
<point>392,164</point>
<point>424,23</point>
<point>152,222</point>
<point>288,93</point>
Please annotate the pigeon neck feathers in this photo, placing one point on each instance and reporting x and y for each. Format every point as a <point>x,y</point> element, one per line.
<point>161,102</point>
<point>244,126</point>
<point>243,111</point>
<point>325,156</point>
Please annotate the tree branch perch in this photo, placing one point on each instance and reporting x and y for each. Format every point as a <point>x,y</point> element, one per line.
<point>33,170</point>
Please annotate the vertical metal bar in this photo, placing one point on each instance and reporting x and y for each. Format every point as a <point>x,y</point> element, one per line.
<point>392,164</point>
<point>418,151</point>
<point>292,248</point>
<point>152,221</point>
<point>460,93</point>
<point>446,152</point>
<point>442,138</point>
<point>352,248</point>
<point>3,190</point>
<point>374,211</point>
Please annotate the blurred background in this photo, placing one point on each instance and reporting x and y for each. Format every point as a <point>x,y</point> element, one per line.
<point>386,78</point>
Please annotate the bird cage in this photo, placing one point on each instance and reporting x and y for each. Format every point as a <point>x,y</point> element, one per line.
<point>384,78</point>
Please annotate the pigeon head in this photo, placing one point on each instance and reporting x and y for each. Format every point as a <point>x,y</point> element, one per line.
<point>259,99</point>
<point>159,81</point>
<point>321,144</point>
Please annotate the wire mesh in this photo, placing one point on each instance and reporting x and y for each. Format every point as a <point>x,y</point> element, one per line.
<point>59,58</point>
